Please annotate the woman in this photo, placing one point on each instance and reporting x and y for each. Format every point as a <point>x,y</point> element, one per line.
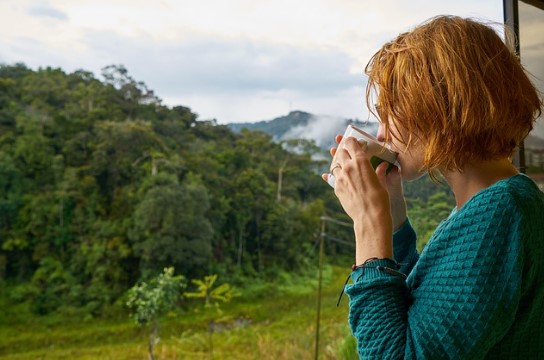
<point>454,101</point>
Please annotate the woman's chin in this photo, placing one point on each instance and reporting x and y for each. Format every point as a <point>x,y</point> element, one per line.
<point>410,174</point>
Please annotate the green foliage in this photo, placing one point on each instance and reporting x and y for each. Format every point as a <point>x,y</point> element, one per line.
<point>150,300</point>
<point>276,326</point>
<point>211,294</point>
<point>170,225</point>
<point>102,186</point>
<point>51,284</point>
<point>12,187</point>
<point>348,350</point>
<point>428,204</point>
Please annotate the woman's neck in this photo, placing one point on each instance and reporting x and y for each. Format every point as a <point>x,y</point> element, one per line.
<point>475,177</point>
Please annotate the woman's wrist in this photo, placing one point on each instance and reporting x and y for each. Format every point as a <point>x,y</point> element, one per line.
<point>372,239</point>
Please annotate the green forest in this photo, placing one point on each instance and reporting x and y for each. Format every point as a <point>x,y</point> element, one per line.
<point>102,187</point>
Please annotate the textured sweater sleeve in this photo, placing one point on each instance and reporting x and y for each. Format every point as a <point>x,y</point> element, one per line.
<point>460,298</point>
<point>404,247</point>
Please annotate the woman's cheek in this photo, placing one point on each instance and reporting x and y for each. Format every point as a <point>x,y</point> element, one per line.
<point>406,170</point>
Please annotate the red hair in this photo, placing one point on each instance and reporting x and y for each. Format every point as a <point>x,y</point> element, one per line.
<point>454,86</point>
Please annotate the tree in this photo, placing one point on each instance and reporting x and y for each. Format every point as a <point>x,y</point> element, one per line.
<point>170,225</point>
<point>149,301</point>
<point>253,195</point>
<point>51,285</point>
<point>212,296</point>
<point>11,190</point>
<point>118,153</point>
<point>133,96</point>
<point>101,185</point>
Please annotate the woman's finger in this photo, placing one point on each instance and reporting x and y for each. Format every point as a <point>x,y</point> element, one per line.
<point>342,155</point>
<point>338,138</point>
<point>351,144</point>
<point>354,148</point>
<point>381,172</point>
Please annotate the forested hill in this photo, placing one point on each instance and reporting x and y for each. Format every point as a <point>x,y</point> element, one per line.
<point>277,127</point>
<point>302,125</point>
<point>101,185</point>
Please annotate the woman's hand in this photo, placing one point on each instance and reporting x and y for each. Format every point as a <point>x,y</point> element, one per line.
<point>372,198</point>
<point>393,184</point>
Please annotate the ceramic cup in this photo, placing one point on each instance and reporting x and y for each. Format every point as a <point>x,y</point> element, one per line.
<point>378,152</point>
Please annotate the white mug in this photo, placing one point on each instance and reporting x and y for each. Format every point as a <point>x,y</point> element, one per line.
<point>378,152</point>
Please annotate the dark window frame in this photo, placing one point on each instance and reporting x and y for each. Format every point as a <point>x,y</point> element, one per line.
<point>511,20</point>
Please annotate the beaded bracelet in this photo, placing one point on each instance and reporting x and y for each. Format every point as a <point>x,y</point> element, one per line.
<point>365,265</point>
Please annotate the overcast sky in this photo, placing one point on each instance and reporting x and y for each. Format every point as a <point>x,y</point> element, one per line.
<point>232,60</point>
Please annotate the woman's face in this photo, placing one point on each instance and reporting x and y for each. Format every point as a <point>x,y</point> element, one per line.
<point>410,157</point>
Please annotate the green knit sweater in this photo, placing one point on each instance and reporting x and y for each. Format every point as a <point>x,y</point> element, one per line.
<point>476,291</point>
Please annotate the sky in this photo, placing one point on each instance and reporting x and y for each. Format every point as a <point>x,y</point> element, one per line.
<point>228,60</point>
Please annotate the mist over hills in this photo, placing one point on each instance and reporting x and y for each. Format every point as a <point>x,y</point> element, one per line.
<point>322,129</point>
<point>303,125</point>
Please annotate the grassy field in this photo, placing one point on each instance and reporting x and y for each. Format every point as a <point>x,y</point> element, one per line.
<point>268,321</point>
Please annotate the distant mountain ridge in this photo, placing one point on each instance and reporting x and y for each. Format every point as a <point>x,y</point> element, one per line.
<point>276,127</point>
<point>304,125</point>
<point>322,129</point>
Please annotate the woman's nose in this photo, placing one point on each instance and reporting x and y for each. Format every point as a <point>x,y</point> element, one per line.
<point>381,133</point>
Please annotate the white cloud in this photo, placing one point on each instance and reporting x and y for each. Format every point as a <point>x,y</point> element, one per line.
<point>207,66</point>
<point>47,12</point>
<point>235,59</point>
<point>266,105</point>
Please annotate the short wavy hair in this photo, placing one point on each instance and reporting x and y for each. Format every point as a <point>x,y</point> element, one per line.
<point>453,85</point>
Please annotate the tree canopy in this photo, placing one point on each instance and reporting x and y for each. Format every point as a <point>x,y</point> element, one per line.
<point>102,186</point>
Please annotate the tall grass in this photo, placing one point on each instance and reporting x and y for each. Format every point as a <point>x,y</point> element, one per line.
<point>276,322</point>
